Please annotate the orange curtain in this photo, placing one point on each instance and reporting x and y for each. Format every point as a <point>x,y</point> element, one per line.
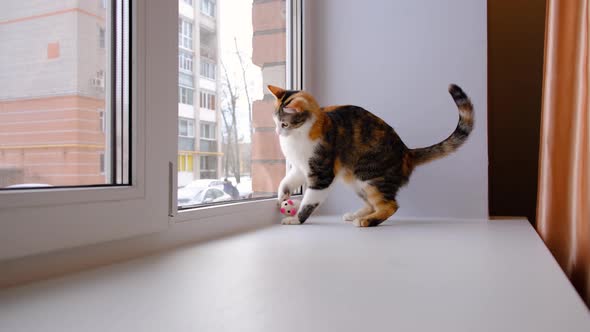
<point>563,212</point>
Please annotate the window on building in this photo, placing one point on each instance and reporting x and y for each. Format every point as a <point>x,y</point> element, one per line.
<point>186,127</point>
<point>208,68</point>
<point>101,38</point>
<point>185,95</point>
<point>188,2</point>
<point>102,120</point>
<point>208,130</point>
<point>103,4</point>
<point>208,7</point>
<point>185,163</point>
<point>207,100</point>
<point>102,163</point>
<point>185,61</point>
<point>208,167</point>
<point>185,34</point>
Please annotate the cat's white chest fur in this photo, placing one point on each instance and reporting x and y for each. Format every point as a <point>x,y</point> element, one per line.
<point>298,148</point>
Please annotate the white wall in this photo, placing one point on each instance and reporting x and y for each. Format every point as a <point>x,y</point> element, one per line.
<point>396,59</point>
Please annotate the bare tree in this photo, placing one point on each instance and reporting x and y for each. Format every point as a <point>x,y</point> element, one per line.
<point>248,100</point>
<point>232,96</point>
<point>245,88</point>
<point>228,147</point>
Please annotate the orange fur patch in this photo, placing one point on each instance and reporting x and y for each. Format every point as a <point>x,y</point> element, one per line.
<point>337,166</point>
<point>319,127</point>
<point>276,91</point>
<point>330,108</point>
<point>383,208</point>
<point>347,175</point>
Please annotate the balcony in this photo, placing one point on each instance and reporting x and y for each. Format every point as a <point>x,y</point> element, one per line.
<point>186,143</point>
<point>207,22</point>
<point>207,145</point>
<point>209,53</point>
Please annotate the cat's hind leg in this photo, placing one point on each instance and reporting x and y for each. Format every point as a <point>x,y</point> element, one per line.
<point>365,210</point>
<point>383,208</point>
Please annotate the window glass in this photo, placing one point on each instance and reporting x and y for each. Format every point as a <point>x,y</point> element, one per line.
<point>185,61</point>
<point>207,100</point>
<point>208,7</point>
<point>241,48</point>
<point>208,130</point>
<point>185,33</point>
<point>208,68</point>
<point>186,127</point>
<point>57,69</point>
<point>186,95</point>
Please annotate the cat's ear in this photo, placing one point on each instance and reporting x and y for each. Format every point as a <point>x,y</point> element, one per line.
<point>276,91</point>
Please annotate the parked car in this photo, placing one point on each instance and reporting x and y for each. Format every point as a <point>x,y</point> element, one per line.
<point>245,188</point>
<point>28,185</point>
<point>194,196</point>
<point>204,183</point>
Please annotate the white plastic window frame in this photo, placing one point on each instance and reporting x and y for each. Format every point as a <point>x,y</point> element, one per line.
<point>39,221</point>
<point>190,127</point>
<point>294,78</point>
<point>185,33</point>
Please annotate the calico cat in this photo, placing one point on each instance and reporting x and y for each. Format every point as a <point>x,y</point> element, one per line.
<point>323,143</point>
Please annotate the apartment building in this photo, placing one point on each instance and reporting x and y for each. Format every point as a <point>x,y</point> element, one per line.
<point>199,133</point>
<point>52,92</point>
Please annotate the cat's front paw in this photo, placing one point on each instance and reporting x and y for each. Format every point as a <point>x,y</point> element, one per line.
<point>282,197</point>
<point>290,221</point>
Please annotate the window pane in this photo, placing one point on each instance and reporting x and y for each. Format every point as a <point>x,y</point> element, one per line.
<point>182,128</point>
<point>241,49</point>
<point>63,115</point>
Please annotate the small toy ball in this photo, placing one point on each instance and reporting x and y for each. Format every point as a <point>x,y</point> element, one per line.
<point>289,207</point>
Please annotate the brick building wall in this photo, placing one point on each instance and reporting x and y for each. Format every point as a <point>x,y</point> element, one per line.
<point>55,140</point>
<point>269,53</point>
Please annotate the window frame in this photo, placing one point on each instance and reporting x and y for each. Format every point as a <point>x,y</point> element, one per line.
<point>102,118</point>
<point>185,57</point>
<point>185,165</point>
<point>207,101</point>
<point>41,220</point>
<point>102,43</point>
<point>249,209</point>
<point>190,92</point>
<point>207,170</point>
<point>212,6</point>
<point>188,131</point>
<point>210,68</point>
<point>208,125</point>
<point>62,218</point>
<point>182,33</point>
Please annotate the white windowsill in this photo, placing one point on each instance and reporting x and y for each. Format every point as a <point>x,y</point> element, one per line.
<point>322,276</point>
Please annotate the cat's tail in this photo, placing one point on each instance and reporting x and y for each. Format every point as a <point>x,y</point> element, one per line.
<point>457,138</point>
